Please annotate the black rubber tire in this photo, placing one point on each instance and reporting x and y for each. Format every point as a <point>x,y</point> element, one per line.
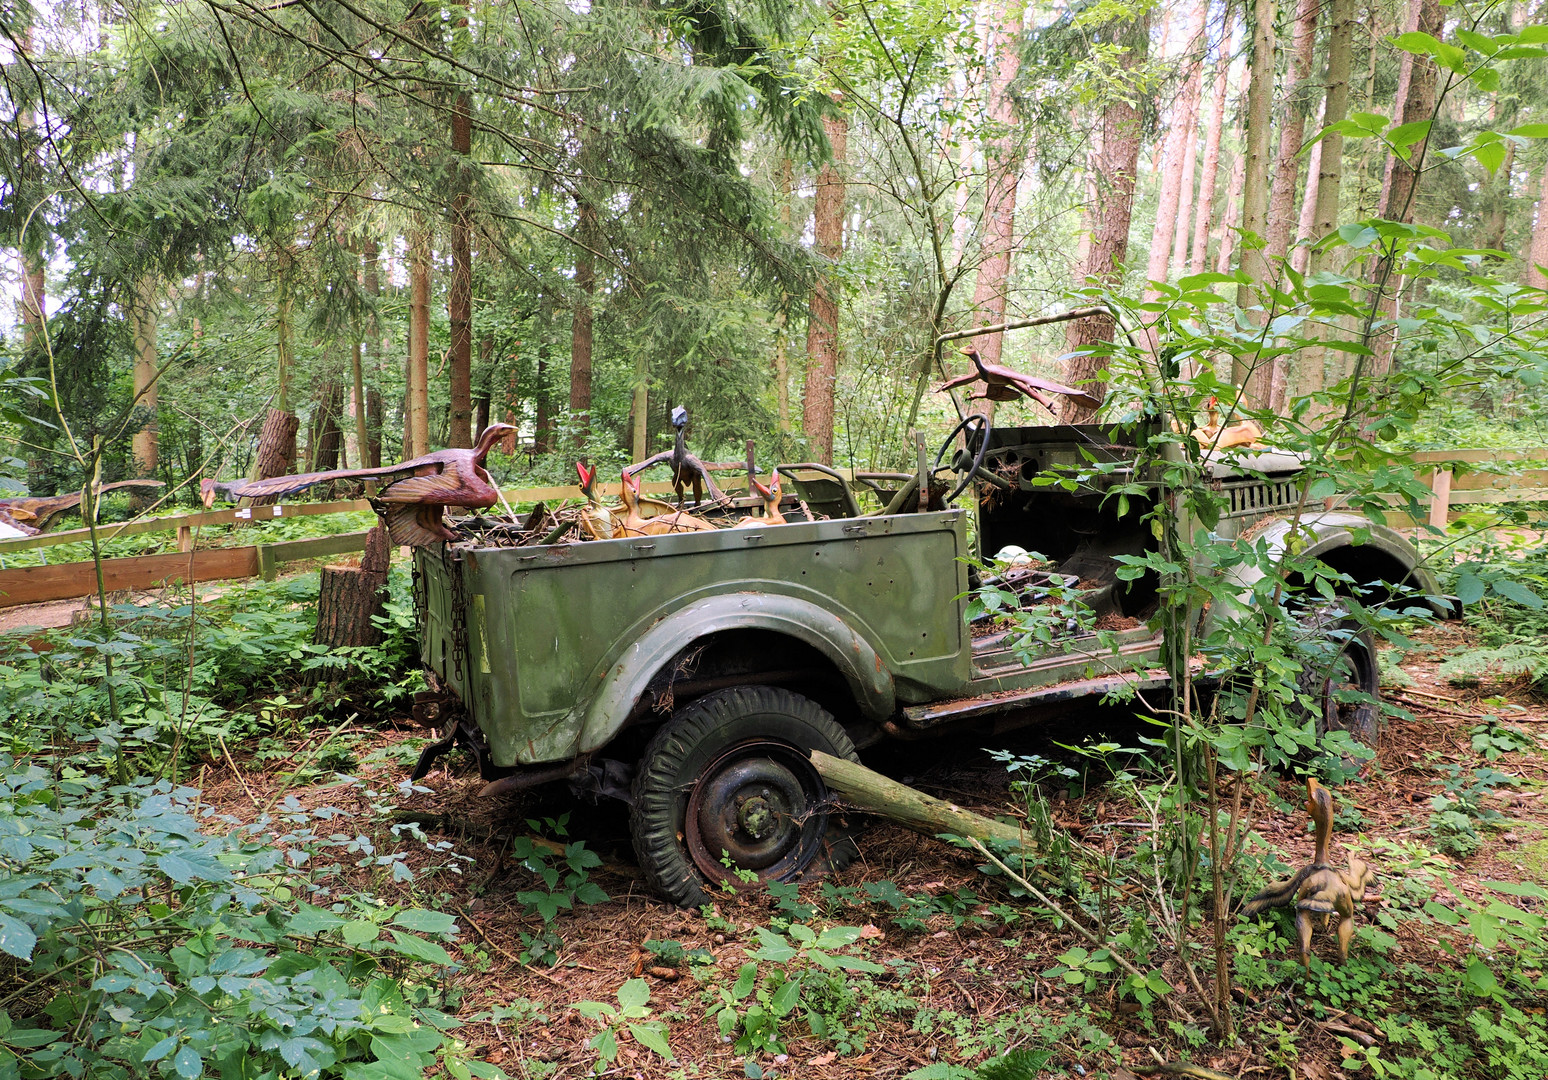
<point>1346,658</point>
<point>744,728</point>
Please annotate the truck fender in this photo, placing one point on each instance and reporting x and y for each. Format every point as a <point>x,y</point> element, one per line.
<point>627,677</point>
<point>1388,551</point>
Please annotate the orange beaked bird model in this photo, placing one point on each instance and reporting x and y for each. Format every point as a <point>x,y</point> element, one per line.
<point>1003,384</point>
<point>414,494</point>
<point>771,496</point>
<point>633,524</point>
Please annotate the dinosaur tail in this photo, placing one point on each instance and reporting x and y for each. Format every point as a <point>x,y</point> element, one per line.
<point>1278,894</point>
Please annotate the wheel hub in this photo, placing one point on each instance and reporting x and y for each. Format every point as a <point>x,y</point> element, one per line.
<point>754,809</point>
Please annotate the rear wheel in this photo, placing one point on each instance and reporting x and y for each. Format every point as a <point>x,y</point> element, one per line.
<point>1341,674</point>
<point>726,793</point>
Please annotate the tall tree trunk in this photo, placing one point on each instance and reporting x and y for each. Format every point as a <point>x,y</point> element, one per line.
<point>369,422</point>
<point>1311,368</point>
<point>1204,217</point>
<point>1185,195</point>
<point>418,428</point>
<point>1232,216</point>
<point>1306,223</point>
<point>1003,156</point>
<point>1113,167</point>
<point>1500,198</point>
<point>1537,254</point>
<point>482,403</point>
<point>1179,137</point>
<point>327,435</point>
<point>1292,129</point>
<point>32,241</point>
<point>1415,102</point>
<point>459,292</point>
<point>580,325</point>
<point>782,316</point>
<point>1247,370</point>
<point>822,346</point>
<point>277,441</point>
<point>143,314</point>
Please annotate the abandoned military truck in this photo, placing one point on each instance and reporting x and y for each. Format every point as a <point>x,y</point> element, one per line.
<point>689,674</point>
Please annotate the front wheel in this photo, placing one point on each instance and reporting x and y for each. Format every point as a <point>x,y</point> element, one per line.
<point>727,794</point>
<point>1340,674</point>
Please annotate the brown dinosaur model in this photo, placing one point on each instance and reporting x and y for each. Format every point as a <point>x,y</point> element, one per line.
<point>1003,384</point>
<point>1321,888</point>
<point>414,494</point>
<point>41,512</point>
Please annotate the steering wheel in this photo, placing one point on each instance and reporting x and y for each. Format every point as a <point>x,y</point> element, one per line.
<point>967,430</point>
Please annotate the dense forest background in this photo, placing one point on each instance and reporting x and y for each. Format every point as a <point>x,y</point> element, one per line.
<point>275,237</point>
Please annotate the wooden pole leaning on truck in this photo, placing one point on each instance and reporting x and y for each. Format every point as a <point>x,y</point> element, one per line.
<point>860,788</point>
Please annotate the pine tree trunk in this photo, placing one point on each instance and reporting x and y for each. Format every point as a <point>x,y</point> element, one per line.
<point>276,445</point>
<point>1306,224</point>
<point>1232,216</point>
<point>1113,167</point>
<point>368,407</point>
<point>1191,93</point>
<point>143,315</point>
<point>1500,197</point>
<point>639,428</point>
<point>418,426</point>
<point>1178,137</point>
<point>350,597</point>
<point>580,325</point>
<point>328,436</point>
<point>1415,101</point>
<point>782,316</point>
<point>1249,371</point>
<point>1204,215</point>
<point>1537,254</point>
<point>1003,156</point>
<point>1292,129</point>
<point>34,308</point>
<point>822,346</point>
<point>459,292</point>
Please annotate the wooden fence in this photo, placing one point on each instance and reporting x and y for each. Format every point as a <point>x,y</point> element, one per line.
<point>1454,480</point>
<point>70,581</point>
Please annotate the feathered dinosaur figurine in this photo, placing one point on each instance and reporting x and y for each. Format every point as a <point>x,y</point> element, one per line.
<point>686,468</point>
<point>414,494</point>
<point>41,511</point>
<point>1003,384</point>
<point>771,496</point>
<point>1321,888</point>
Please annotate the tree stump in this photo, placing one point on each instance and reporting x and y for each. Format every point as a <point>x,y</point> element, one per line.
<point>349,596</point>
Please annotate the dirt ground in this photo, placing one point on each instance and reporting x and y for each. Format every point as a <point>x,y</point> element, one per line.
<point>959,984</point>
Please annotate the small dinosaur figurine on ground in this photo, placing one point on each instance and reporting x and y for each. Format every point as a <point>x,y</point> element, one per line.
<point>1321,888</point>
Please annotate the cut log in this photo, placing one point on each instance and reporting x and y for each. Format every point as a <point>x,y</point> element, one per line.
<point>862,789</point>
<point>349,597</point>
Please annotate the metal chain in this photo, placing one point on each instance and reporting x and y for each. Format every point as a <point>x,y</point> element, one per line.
<point>459,610</point>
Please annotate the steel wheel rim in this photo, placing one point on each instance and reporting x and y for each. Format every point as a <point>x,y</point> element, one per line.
<point>758,802</point>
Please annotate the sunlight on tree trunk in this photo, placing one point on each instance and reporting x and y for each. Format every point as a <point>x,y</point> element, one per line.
<point>1204,216</point>
<point>1231,218</point>
<point>1247,371</point>
<point>1179,140</point>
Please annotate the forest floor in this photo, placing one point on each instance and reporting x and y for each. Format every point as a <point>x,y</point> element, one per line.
<point>966,965</point>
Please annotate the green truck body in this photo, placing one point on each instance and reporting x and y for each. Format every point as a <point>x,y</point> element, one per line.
<point>569,661</point>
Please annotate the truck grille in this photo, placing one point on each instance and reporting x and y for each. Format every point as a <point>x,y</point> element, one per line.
<point>1254,497</point>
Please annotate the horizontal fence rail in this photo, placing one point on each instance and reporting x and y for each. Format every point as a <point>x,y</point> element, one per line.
<point>1454,480</point>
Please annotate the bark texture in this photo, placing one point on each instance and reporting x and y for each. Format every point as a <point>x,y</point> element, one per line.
<point>143,315</point>
<point>349,597</point>
<point>417,427</point>
<point>580,325</point>
<point>1248,371</point>
<point>1112,166</point>
<point>822,345</point>
<point>459,292</point>
<point>1003,156</point>
<point>276,445</point>
<point>1292,129</point>
<point>1537,256</point>
<point>1204,215</point>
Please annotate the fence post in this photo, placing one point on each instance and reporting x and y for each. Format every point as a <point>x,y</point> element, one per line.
<point>266,566</point>
<point>1440,498</point>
